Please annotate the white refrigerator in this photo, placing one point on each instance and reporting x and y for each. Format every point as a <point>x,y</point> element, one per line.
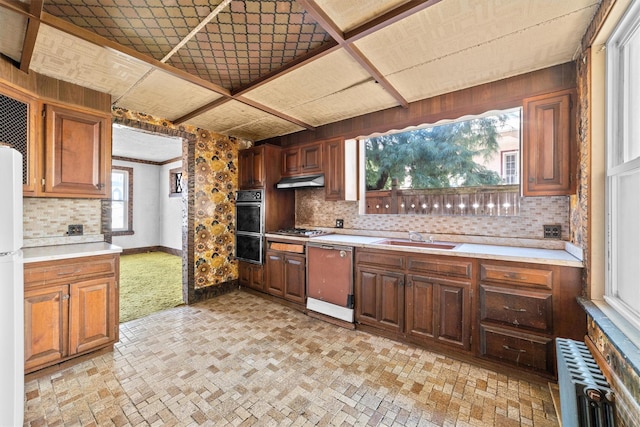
<point>12,288</point>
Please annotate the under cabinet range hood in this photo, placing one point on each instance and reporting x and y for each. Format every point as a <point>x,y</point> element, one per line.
<point>307,181</point>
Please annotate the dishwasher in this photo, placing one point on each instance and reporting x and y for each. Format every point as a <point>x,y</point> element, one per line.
<point>330,280</point>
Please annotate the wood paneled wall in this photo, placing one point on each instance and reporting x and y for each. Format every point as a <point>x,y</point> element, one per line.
<point>506,93</point>
<point>50,89</point>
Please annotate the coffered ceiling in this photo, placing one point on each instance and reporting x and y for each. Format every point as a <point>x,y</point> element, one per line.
<point>256,69</point>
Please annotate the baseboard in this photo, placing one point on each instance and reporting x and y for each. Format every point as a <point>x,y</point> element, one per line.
<point>143,250</point>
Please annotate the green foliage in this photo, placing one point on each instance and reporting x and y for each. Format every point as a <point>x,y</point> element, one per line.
<point>436,157</point>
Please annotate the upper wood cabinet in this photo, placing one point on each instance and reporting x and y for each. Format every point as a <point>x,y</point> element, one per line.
<point>66,150</point>
<point>18,113</point>
<point>334,188</point>
<point>302,160</point>
<point>77,153</point>
<point>548,147</point>
<point>259,167</point>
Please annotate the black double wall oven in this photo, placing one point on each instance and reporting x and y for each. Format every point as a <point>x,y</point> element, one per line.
<point>250,225</point>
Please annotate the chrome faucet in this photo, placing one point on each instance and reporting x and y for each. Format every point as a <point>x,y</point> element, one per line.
<point>414,236</point>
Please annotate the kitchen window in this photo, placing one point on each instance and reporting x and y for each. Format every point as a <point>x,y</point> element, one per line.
<point>121,201</point>
<point>622,290</point>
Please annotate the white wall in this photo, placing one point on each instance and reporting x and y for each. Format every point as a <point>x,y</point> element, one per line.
<point>157,218</point>
<point>170,210</point>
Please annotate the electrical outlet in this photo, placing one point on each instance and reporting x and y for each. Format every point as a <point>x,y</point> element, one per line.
<point>552,231</point>
<point>75,230</point>
<point>339,223</point>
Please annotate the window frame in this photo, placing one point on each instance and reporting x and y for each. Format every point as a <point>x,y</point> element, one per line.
<point>516,166</point>
<point>128,199</point>
<point>619,113</point>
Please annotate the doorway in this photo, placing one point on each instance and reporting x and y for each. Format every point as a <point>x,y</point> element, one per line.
<point>185,222</point>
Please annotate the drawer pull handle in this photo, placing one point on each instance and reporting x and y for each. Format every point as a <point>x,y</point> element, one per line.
<point>519,350</point>
<point>519,310</point>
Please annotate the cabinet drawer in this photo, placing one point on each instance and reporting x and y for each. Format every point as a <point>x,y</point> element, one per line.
<point>519,308</point>
<point>42,273</point>
<point>524,350</point>
<point>380,259</point>
<point>441,266</point>
<point>516,275</point>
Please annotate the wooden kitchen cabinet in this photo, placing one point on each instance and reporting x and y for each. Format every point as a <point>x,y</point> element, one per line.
<point>286,271</point>
<point>70,307</point>
<point>548,145</point>
<point>77,153</point>
<point>66,149</point>
<point>334,185</point>
<point>251,275</point>
<point>522,308</point>
<point>379,290</point>
<point>380,297</point>
<point>19,111</point>
<point>251,168</point>
<point>438,300</point>
<point>302,160</point>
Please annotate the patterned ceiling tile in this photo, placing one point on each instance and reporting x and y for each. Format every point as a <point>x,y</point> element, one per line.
<point>245,41</point>
<point>165,95</point>
<point>249,40</point>
<point>348,15</point>
<point>65,57</point>
<point>151,27</point>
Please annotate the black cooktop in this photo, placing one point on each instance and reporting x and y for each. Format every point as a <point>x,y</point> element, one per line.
<point>301,232</point>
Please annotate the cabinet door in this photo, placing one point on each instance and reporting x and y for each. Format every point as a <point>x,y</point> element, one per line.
<point>18,114</point>
<point>548,159</point>
<point>311,159</point>
<point>78,153</point>
<point>438,309</point>
<point>380,297</point>
<point>92,314</point>
<point>454,308</point>
<point>45,321</point>
<point>295,278</point>
<point>334,170</point>
<point>291,161</point>
<point>420,303</point>
<point>275,273</point>
<point>250,275</point>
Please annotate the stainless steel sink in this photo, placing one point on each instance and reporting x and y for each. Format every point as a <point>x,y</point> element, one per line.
<point>413,243</point>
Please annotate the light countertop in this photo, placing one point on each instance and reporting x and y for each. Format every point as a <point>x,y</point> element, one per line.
<point>470,250</point>
<point>76,250</point>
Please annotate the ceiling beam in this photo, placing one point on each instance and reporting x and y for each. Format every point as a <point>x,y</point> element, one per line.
<point>334,31</point>
<point>31,35</point>
<point>210,106</point>
<point>16,6</point>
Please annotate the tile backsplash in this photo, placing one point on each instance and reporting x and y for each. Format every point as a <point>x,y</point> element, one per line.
<point>46,220</point>
<point>313,210</point>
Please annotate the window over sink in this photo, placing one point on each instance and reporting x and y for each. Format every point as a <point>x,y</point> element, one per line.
<point>466,166</point>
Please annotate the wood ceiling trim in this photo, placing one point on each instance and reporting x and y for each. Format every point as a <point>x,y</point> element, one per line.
<point>334,31</point>
<point>31,35</point>
<point>273,112</point>
<point>201,110</point>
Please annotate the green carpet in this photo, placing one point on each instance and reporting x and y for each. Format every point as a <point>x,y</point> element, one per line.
<point>149,282</point>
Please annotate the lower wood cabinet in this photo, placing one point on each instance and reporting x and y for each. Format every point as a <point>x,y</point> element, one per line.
<point>522,308</point>
<point>380,298</point>
<point>251,275</point>
<point>500,311</point>
<point>439,310</point>
<point>286,275</point>
<point>70,308</point>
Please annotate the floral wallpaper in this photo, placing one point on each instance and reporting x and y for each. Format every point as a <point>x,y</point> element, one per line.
<point>216,179</point>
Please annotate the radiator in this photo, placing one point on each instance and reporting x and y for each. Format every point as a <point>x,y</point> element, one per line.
<point>585,397</point>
